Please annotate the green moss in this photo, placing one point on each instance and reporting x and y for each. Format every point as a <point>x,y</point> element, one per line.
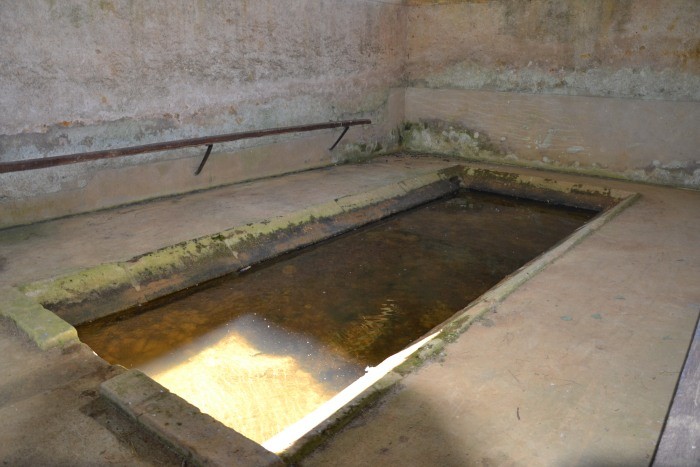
<point>45,328</point>
<point>358,152</point>
<point>75,287</point>
<point>438,137</point>
<point>508,177</point>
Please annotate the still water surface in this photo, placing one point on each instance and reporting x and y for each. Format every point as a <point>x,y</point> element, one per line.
<point>261,349</point>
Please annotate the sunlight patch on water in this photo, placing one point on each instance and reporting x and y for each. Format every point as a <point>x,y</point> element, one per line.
<point>255,389</point>
<point>287,437</point>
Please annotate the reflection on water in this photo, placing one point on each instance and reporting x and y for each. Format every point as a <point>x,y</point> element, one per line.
<point>277,372</point>
<point>260,350</point>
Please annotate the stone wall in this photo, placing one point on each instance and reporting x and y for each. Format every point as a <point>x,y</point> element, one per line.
<point>86,75</point>
<point>597,86</point>
<point>610,87</point>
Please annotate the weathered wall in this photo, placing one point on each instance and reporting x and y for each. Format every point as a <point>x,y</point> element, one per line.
<point>85,75</point>
<point>510,69</point>
<point>610,86</point>
<point>622,48</point>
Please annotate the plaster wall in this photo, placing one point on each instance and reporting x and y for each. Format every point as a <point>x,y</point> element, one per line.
<point>82,76</point>
<point>597,86</point>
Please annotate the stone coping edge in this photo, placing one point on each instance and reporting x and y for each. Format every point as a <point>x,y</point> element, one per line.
<point>197,436</point>
<point>41,325</point>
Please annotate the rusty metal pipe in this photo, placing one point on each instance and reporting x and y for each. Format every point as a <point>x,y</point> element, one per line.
<point>32,164</point>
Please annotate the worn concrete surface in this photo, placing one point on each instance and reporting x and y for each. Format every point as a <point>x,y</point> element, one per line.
<point>576,366</point>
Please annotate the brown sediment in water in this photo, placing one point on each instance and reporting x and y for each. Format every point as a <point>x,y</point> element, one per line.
<point>277,341</point>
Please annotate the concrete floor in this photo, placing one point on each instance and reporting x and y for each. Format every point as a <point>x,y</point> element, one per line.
<point>578,366</point>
